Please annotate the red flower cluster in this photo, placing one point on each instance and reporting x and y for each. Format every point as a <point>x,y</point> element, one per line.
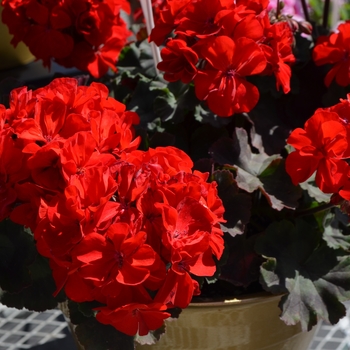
<point>323,146</point>
<point>218,43</point>
<point>127,228</point>
<point>86,34</point>
<point>335,50</point>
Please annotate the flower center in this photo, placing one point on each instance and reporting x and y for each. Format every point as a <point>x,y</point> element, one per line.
<point>118,256</point>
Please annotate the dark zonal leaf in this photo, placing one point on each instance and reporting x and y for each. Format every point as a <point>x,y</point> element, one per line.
<point>6,86</point>
<point>94,335</point>
<point>142,100</point>
<point>337,230</point>
<point>165,105</point>
<point>175,103</point>
<point>225,151</point>
<point>278,187</point>
<point>257,171</point>
<point>315,277</point>
<point>202,138</point>
<point>38,296</point>
<point>237,205</point>
<point>162,139</point>
<point>152,337</point>
<point>314,191</point>
<point>78,313</point>
<point>17,252</point>
<point>205,116</point>
<point>25,278</point>
<point>242,265</point>
<point>130,56</point>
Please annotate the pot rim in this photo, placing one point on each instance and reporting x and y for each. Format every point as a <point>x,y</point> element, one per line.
<point>259,297</point>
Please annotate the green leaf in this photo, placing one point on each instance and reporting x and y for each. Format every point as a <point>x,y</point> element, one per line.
<point>94,335</point>
<point>177,101</point>
<point>137,57</point>
<point>315,277</point>
<point>165,105</point>
<point>142,99</point>
<point>129,57</point>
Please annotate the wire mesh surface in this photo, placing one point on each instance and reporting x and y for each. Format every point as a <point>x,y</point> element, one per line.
<point>336,337</point>
<point>22,329</point>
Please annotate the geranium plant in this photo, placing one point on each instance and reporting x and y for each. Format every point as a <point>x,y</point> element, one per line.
<point>222,171</point>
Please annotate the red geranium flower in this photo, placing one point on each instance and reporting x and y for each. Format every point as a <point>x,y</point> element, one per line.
<point>335,50</point>
<point>278,51</point>
<point>320,147</point>
<point>134,318</point>
<point>222,82</point>
<point>179,61</point>
<point>116,256</point>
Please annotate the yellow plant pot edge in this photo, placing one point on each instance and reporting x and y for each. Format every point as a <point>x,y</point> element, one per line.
<point>9,56</point>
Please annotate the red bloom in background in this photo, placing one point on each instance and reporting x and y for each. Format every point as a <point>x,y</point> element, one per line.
<point>179,61</point>
<point>278,51</point>
<point>321,147</point>
<point>85,34</point>
<point>335,50</point>
<point>343,110</point>
<point>240,22</point>
<point>231,40</point>
<point>197,18</point>
<point>45,36</point>
<point>222,82</point>
<point>168,20</point>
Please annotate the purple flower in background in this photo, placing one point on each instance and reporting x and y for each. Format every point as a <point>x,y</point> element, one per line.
<point>291,7</point>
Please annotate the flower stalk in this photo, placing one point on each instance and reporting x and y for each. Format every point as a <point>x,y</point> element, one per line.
<point>325,13</point>
<point>314,210</point>
<point>305,10</point>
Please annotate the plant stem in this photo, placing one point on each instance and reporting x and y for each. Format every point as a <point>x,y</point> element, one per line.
<point>305,10</point>
<point>325,13</point>
<point>278,9</point>
<point>314,210</point>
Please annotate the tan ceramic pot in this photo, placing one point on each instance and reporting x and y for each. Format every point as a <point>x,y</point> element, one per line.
<point>246,324</point>
<point>10,56</point>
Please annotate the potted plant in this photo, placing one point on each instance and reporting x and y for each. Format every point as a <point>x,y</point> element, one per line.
<point>218,173</point>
